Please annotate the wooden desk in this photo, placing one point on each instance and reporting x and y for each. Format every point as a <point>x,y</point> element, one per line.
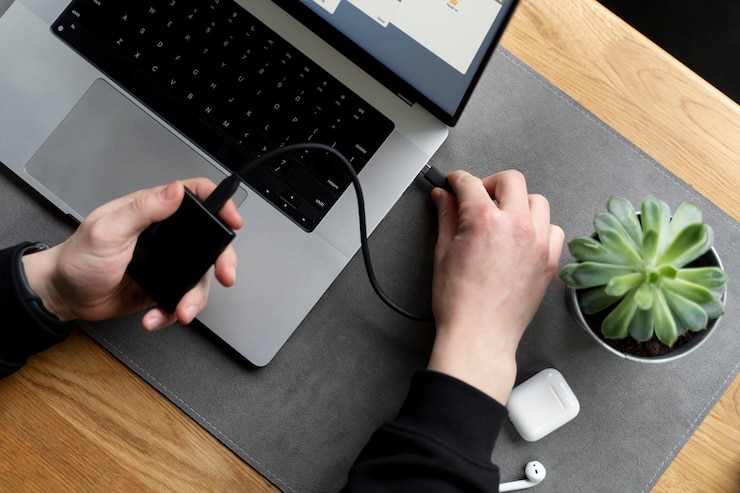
<point>80,420</point>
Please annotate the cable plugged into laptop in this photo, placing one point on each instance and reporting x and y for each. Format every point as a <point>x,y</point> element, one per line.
<point>436,178</point>
<point>173,255</point>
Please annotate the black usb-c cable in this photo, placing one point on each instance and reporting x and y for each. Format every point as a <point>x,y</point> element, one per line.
<point>226,189</point>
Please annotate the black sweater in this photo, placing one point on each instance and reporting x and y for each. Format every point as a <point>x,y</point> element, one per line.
<point>440,441</point>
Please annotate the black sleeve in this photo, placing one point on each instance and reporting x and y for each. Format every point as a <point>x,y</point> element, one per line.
<point>26,328</point>
<point>441,441</point>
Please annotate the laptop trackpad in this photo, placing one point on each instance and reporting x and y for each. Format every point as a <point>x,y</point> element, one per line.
<point>107,147</point>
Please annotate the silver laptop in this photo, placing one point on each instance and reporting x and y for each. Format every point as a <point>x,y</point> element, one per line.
<point>99,98</point>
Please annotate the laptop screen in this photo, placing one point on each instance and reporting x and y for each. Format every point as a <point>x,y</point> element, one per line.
<point>427,51</point>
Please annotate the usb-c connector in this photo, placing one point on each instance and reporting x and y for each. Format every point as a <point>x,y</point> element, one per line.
<point>223,192</point>
<point>436,178</point>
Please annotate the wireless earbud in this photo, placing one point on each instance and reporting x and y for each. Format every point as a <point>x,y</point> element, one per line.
<point>535,473</point>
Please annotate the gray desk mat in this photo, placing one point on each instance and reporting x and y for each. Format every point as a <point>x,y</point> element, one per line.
<point>301,420</point>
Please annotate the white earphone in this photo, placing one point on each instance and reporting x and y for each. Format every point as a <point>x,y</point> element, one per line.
<point>535,473</point>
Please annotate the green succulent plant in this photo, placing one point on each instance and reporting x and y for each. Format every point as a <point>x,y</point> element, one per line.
<point>638,266</point>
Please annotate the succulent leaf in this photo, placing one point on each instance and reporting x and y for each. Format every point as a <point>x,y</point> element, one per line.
<point>620,285</point>
<point>622,209</point>
<point>595,300</point>
<point>717,292</point>
<point>644,296</point>
<point>664,323</point>
<point>667,271</point>
<point>655,216</point>
<point>691,314</point>
<point>566,275</point>
<point>681,328</point>
<point>591,274</point>
<point>710,277</point>
<point>609,222</point>
<point>687,214</point>
<point>694,292</point>
<point>689,244</point>
<point>619,244</point>
<point>641,326</point>
<point>616,324</point>
<point>650,242</point>
<point>586,249</point>
<point>714,309</point>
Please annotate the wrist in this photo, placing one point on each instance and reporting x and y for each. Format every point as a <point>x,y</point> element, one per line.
<point>28,328</point>
<point>38,269</point>
<point>484,363</point>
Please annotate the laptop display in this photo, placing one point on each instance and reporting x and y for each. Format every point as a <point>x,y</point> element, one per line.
<point>431,52</point>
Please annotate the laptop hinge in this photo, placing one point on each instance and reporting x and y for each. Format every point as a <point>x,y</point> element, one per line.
<point>405,99</point>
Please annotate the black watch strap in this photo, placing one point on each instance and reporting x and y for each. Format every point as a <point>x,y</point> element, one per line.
<point>26,327</point>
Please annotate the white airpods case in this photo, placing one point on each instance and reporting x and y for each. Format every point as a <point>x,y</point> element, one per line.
<point>542,404</point>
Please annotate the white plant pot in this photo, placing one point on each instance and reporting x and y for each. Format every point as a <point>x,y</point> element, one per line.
<point>689,347</point>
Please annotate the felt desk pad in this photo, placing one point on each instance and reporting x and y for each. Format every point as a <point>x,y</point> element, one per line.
<point>301,420</point>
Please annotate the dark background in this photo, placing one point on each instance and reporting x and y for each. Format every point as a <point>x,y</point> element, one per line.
<point>703,34</point>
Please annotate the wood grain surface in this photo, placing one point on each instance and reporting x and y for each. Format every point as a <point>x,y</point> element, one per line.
<point>76,419</point>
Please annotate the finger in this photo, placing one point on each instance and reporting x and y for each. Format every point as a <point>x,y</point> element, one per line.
<point>156,319</point>
<point>191,304</point>
<point>226,265</point>
<point>194,300</point>
<point>509,189</point>
<point>539,208</point>
<point>557,240</point>
<point>470,190</point>
<point>447,218</point>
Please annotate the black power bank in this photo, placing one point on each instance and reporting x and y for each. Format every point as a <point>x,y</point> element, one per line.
<point>173,255</point>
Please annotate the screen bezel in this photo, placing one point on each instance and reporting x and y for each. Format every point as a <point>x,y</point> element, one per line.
<point>385,76</point>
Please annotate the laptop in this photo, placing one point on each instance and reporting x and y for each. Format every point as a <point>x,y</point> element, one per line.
<point>99,98</point>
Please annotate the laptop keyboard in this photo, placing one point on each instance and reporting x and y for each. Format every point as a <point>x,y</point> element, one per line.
<point>235,88</point>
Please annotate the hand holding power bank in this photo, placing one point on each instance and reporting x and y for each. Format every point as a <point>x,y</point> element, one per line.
<point>173,255</point>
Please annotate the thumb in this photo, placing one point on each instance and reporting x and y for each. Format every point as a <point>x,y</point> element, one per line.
<point>146,207</point>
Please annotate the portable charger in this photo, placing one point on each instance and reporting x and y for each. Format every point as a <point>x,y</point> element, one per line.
<point>173,255</point>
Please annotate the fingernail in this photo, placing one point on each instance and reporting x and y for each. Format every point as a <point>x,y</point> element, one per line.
<point>436,195</point>
<point>154,323</point>
<point>233,273</point>
<point>192,311</point>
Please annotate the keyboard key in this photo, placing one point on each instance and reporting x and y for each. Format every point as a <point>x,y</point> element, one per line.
<point>280,166</point>
<point>269,187</point>
<point>304,221</point>
<point>285,206</point>
<point>314,192</point>
<point>331,173</point>
<point>67,28</point>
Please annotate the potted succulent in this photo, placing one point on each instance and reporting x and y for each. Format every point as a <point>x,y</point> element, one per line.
<point>648,286</point>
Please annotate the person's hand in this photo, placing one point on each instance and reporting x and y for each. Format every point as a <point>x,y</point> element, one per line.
<point>493,263</point>
<point>85,277</point>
